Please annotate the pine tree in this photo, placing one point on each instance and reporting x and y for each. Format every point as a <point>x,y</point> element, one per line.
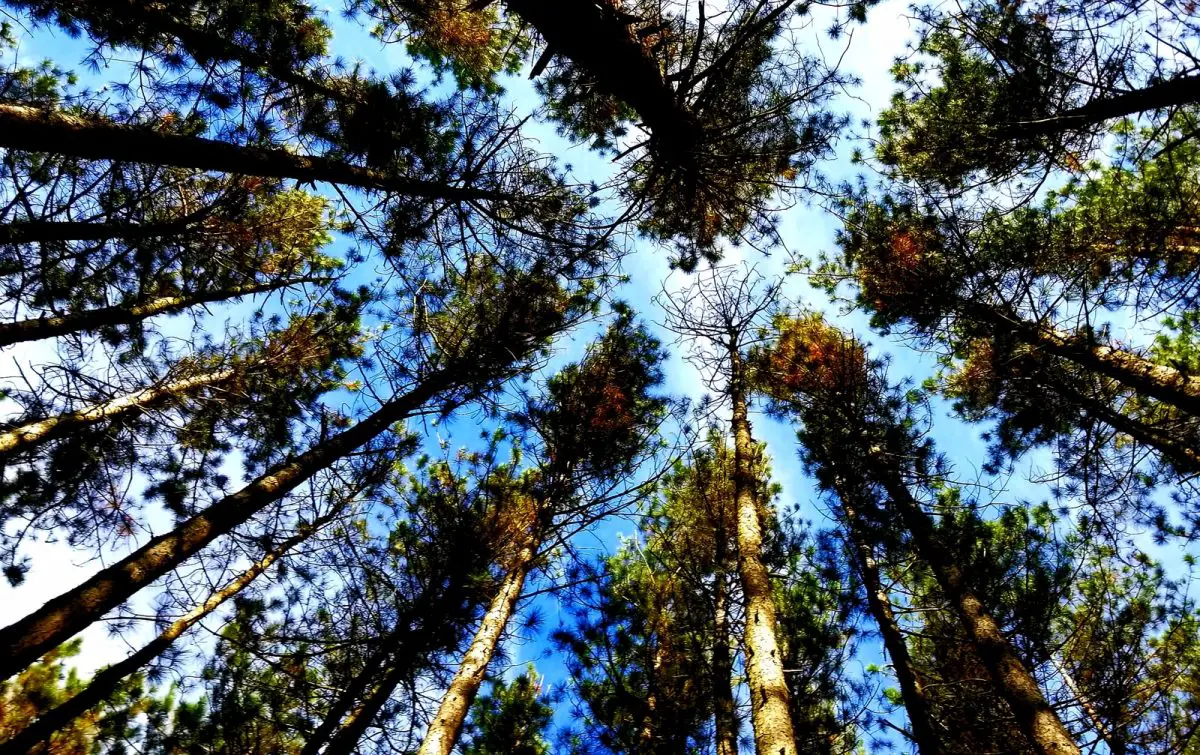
<point>849,416</point>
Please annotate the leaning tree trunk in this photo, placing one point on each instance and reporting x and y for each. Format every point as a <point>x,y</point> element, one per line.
<point>724,708</point>
<point>1181,455</point>
<point>28,740</point>
<point>42,231</point>
<point>417,634</point>
<point>92,320</point>
<point>1011,680</point>
<point>56,132</point>
<point>597,40</point>
<point>770,713</point>
<point>1147,378</point>
<point>446,726</point>
<point>62,617</point>
<point>32,434</point>
<point>912,691</point>
<point>1172,93</point>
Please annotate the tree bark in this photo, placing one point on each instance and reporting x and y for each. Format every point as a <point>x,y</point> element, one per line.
<point>912,691</point>
<point>724,709</point>
<point>1177,92</point>
<point>88,137</point>
<point>92,320</point>
<point>446,726</point>
<point>1138,373</point>
<point>104,682</point>
<point>595,38</point>
<point>22,642</point>
<point>419,632</point>
<point>1011,679</point>
<point>770,713</point>
<point>32,434</point>
<point>1184,458</point>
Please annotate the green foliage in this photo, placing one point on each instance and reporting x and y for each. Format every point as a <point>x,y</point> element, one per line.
<point>511,719</point>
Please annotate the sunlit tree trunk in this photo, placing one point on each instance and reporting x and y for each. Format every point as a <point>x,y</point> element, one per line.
<point>92,320</point>
<point>1147,378</point>
<point>56,132</point>
<point>106,681</point>
<point>32,434</point>
<point>770,714</point>
<point>446,726</point>
<point>64,616</point>
<point>1011,679</point>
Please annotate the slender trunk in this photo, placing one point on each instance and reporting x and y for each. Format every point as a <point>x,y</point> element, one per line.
<point>41,231</point>
<point>22,642</point>
<point>724,709</point>
<point>92,320</point>
<point>770,713</point>
<point>417,635</point>
<point>1183,90</point>
<point>55,132</point>
<point>446,726</point>
<point>611,52</point>
<point>646,735</point>
<point>1137,373</point>
<point>101,686</point>
<point>912,691</point>
<point>1011,679</point>
<point>1115,746</point>
<point>1183,457</point>
<point>32,434</point>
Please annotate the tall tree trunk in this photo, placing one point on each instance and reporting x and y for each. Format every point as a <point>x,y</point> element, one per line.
<point>56,132</point>
<point>1181,455</point>
<point>64,616</point>
<point>446,726</point>
<point>1012,681</point>
<point>105,681</point>
<point>1176,92</point>
<point>92,320</point>
<point>32,434</point>
<point>770,713</point>
<point>417,634</point>
<point>912,691</point>
<point>1135,372</point>
<point>724,709</point>
<point>597,40</point>
<point>1115,746</point>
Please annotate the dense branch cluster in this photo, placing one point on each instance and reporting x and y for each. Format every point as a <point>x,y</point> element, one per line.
<point>328,385</point>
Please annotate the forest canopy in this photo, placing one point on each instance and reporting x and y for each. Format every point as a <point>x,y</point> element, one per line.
<point>599,377</point>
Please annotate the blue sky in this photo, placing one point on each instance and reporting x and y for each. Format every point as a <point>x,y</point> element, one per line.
<point>807,231</point>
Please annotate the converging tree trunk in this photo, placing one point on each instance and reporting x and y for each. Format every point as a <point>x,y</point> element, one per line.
<point>105,682</point>
<point>64,616</point>
<point>770,713</point>
<point>724,708</point>
<point>92,320</point>
<point>912,692</point>
<point>446,726</point>
<point>1135,372</point>
<point>1011,679</point>
<point>32,434</point>
<point>599,39</point>
<point>56,132</point>
<point>424,630</point>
